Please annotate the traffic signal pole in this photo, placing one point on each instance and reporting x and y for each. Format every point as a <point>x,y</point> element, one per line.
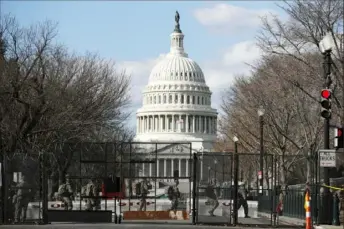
<point>326,198</point>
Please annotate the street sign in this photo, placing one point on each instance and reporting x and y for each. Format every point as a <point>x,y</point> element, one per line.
<point>327,158</point>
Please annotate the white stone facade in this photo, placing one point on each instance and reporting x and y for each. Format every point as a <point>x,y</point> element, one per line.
<point>176,108</point>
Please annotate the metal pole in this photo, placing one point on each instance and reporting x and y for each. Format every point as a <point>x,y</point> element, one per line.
<point>261,159</point>
<point>327,72</point>
<point>236,176</point>
<point>194,187</point>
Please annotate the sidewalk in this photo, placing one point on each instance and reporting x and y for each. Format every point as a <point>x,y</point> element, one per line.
<point>286,220</point>
<point>328,227</point>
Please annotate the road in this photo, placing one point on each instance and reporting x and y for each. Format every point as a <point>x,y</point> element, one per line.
<point>123,226</point>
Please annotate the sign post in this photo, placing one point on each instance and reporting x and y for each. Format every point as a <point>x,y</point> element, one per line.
<point>327,158</point>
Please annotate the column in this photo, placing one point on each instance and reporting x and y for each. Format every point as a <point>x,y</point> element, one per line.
<point>205,125</point>
<point>193,124</point>
<point>199,123</point>
<point>156,123</point>
<point>180,123</point>
<point>138,124</point>
<point>161,122</point>
<point>143,169</point>
<point>165,167</point>
<point>172,166</point>
<point>187,167</point>
<point>157,168</point>
<point>173,123</point>
<point>187,123</point>
<point>166,124</point>
<point>150,169</point>
<point>180,167</point>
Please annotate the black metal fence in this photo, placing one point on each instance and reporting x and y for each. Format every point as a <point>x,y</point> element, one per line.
<point>115,169</point>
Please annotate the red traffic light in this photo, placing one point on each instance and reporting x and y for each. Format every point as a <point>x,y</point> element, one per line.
<point>339,132</point>
<point>326,93</point>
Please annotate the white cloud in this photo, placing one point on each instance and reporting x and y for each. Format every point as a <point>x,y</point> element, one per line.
<point>234,61</point>
<point>231,19</point>
<point>219,74</point>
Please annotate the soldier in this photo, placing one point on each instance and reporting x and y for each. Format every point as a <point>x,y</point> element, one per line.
<point>65,193</point>
<point>174,195</point>
<point>242,193</point>
<point>21,200</point>
<point>144,192</point>
<point>92,200</point>
<point>212,198</point>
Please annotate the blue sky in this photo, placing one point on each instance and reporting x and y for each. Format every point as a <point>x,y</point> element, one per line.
<point>218,35</point>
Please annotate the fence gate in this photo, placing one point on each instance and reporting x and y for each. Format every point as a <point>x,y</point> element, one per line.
<point>149,172</point>
<point>220,176</point>
<point>23,199</point>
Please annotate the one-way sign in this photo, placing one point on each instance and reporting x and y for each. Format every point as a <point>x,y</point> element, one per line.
<point>327,158</point>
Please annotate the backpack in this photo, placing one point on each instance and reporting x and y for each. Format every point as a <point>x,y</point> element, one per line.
<point>62,189</point>
<point>89,190</point>
<point>138,188</point>
<point>170,193</point>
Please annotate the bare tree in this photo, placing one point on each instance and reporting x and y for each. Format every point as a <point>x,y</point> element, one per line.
<point>49,96</point>
<point>308,22</point>
<point>291,125</point>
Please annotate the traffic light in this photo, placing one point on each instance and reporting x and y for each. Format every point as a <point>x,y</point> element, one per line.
<point>338,138</point>
<point>326,103</point>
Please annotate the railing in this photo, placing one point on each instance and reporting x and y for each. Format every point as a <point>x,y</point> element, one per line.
<point>293,203</point>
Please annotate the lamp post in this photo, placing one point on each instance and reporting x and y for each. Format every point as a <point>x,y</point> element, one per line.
<point>215,162</point>
<point>261,112</point>
<point>326,45</point>
<point>209,173</point>
<point>236,178</point>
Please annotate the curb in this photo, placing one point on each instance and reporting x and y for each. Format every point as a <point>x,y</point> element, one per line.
<point>286,220</point>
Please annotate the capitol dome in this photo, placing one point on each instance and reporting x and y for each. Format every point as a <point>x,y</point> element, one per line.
<point>177,101</point>
<point>175,68</point>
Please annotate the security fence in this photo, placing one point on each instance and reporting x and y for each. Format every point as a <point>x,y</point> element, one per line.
<point>94,182</point>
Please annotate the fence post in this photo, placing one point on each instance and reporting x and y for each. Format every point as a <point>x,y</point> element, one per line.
<point>335,217</point>
<point>194,187</point>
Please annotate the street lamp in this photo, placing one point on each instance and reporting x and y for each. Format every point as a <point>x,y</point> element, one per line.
<point>215,162</point>
<point>209,173</point>
<point>261,113</point>
<point>236,179</point>
<point>326,45</point>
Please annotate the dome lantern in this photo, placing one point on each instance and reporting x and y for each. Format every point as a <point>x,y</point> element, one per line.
<point>177,39</point>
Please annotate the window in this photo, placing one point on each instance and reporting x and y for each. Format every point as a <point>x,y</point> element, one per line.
<point>188,99</point>
<point>164,99</point>
<point>182,99</point>
<point>202,100</point>
<point>170,99</point>
<point>193,99</point>
<point>176,99</point>
<point>197,99</point>
<point>154,99</point>
<point>159,99</point>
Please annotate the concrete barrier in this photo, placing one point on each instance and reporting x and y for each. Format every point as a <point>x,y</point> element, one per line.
<point>155,215</point>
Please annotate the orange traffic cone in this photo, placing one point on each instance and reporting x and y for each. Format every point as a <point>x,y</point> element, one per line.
<point>308,210</point>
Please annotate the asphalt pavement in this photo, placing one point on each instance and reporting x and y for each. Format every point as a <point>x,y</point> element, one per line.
<point>123,226</point>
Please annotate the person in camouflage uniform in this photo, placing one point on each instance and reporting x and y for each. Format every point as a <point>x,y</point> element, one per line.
<point>174,195</point>
<point>144,192</point>
<point>21,200</point>
<point>212,197</point>
<point>92,200</point>
<point>65,193</point>
<point>242,195</point>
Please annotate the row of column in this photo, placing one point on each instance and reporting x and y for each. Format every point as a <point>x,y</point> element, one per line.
<point>177,99</point>
<point>177,123</point>
<point>173,168</point>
